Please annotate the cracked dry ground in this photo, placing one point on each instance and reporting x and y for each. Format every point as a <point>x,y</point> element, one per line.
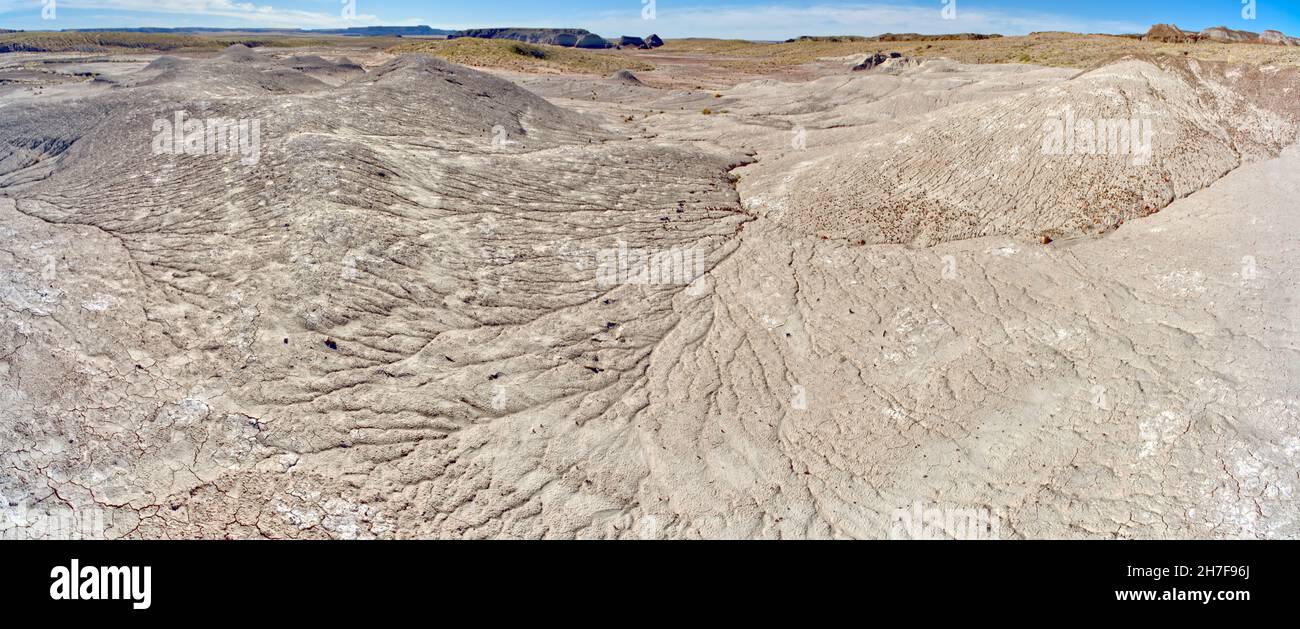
<point>164,324</point>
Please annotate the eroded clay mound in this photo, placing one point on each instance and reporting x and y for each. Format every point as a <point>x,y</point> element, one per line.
<point>393,322</point>
<point>626,77</point>
<point>1078,157</point>
<point>403,272</point>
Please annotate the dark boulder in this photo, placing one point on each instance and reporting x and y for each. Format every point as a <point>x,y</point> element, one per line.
<point>875,60</point>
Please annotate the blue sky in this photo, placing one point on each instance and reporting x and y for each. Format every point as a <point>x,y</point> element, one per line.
<point>754,19</point>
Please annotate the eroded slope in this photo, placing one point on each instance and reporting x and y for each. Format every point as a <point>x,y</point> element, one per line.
<point>393,312</point>
<point>988,167</point>
<point>392,323</point>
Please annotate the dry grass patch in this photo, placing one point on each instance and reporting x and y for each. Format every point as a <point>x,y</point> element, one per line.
<point>117,42</point>
<point>1050,49</point>
<point>522,57</point>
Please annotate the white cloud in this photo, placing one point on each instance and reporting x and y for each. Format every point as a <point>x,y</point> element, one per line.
<point>777,21</point>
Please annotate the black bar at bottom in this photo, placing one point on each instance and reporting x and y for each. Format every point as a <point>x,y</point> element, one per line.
<point>303,580</point>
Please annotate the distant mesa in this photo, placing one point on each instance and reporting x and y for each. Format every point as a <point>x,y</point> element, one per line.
<point>1228,35</point>
<point>592,40</point>
<point>1278,38</point>
<point>945,37</point>
<point>892,37</point>
<point>1171,34</point>
<point>381,31</point>
<point>567,37</point>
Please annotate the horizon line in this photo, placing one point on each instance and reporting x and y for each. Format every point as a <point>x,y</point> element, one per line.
<point>455,30</point>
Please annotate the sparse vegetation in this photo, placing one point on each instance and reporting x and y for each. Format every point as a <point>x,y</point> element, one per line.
<point>512,55</point>
<point>527,50</point>
<point>164,42</point>
<point>1049,49</point>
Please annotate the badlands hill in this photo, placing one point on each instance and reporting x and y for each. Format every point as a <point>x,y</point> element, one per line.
<point>406,298</point>
<point>367,268</point>
<point>563,37</point>
<point>1170,33</point>
<point>983,168</point>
